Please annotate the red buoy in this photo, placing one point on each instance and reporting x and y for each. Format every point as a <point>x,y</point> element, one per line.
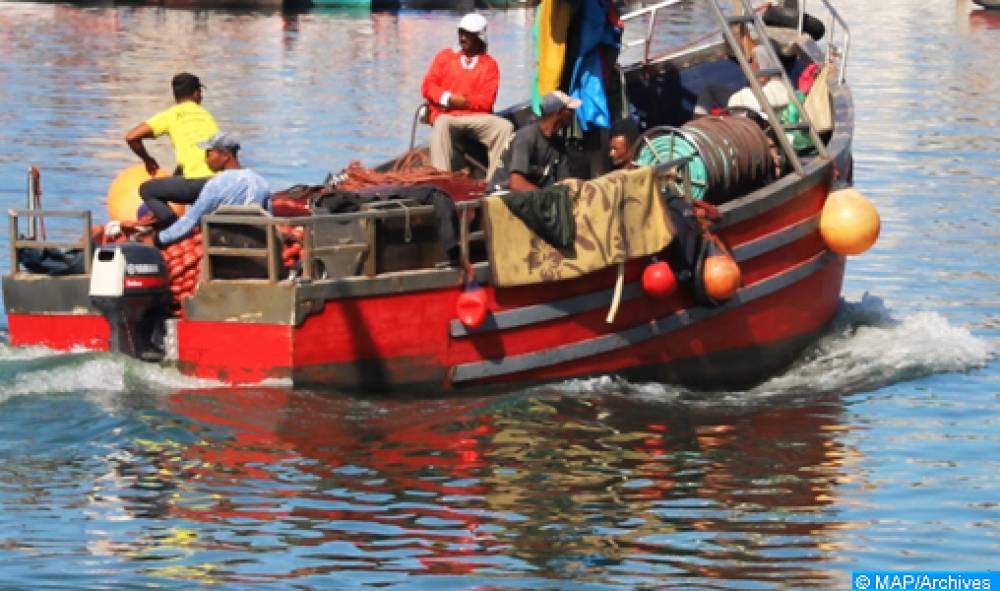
<point>658,280</point>
<point>471,307</point>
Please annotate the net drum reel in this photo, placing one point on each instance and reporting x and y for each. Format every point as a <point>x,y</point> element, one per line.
<point>729,156</point>
<point>659,145</point>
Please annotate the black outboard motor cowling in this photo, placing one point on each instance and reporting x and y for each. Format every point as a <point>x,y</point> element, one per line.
<point>130,285</point>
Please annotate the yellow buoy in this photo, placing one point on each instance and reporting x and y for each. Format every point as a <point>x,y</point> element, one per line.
<point>123,193</point>
<point>849,223</point>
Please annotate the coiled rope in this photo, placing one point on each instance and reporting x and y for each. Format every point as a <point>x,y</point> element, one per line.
<point>413,168</point>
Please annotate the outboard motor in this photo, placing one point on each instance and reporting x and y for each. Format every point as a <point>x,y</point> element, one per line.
<point>129,284</point>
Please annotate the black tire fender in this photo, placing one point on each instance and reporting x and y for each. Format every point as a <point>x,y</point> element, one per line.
<point>783,16</point>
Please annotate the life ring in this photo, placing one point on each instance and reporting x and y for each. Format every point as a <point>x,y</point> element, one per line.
<point>783,16</point>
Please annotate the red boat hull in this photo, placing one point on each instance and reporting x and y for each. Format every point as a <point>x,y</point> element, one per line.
<point>62,332</point>
<point>412,341</point>
<point>366,345</point>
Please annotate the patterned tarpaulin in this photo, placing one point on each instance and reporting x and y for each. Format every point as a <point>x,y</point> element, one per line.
<point>619,216</point>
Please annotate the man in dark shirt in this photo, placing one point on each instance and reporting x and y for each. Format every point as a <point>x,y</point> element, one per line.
<point>622,144</point>
<point>537,155</point>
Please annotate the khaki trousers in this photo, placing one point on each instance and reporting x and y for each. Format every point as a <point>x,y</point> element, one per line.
<point>493,131</point>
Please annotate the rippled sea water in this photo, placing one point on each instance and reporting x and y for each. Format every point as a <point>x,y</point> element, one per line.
<point>878,449</point>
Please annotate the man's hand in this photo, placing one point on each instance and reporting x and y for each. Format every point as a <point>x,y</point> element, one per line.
<point>134,140</point>
<point>151,166</point>
<point>137,228</point>
<point>458,101</point>
<point>112,229</point>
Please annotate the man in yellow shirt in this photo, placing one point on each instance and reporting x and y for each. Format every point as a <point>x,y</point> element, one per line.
<point>187,123</point>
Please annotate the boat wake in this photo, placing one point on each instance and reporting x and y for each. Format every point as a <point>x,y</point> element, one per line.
<point>38,370</point>
<point>865,348</point>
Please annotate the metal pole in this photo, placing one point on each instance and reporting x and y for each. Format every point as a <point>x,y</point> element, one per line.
<point>307,250</point>
<point>273,254</point>
<point>12,229</point>
<point>88,243</point>
<point>206,259</point>
<point>463,234</point>
<point>34,203</point>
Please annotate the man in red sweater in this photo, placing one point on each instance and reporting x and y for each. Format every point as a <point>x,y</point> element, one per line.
<point>461,87</point>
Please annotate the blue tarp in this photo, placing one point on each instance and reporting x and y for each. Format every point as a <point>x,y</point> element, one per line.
<point>587,82</point>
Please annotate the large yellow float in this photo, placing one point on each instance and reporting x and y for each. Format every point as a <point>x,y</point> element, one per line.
<point>849,223</point>
<point>123,193</point>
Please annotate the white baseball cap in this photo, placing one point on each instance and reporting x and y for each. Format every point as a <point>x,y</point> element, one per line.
<point>474,23</point>
<point>558,100</point>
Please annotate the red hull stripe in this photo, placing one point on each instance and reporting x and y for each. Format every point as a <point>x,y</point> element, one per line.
<point>527,315</point>
<point>791,190</point>
<point>520,363</point>
<point>234,352</point>
<point>59,331</point>
<point>765,244</point>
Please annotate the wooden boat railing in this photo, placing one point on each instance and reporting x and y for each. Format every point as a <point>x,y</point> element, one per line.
<point>18,242</point>
<point>319,225</point>
<point>326,225</point>
<point>36,236</point>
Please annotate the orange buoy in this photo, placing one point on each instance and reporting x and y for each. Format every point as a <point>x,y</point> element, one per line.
<point>849,223</point>
<point>721,276</point>
<point>658,280</point>
<point>471,307</point>
<point>123,193</point>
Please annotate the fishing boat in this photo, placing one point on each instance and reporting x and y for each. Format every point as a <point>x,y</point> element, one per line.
<point>372,303</point>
